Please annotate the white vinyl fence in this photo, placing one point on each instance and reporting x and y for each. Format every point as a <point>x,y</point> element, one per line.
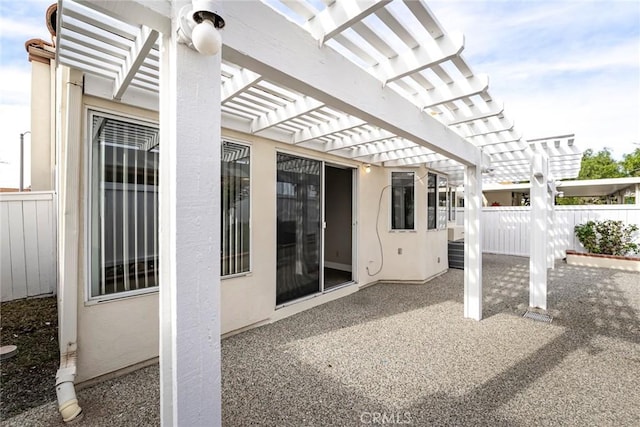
<point>27,245</point>
<point>505,230</point>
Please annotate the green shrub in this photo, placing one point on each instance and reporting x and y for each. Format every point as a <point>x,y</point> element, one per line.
<point>607,237</point>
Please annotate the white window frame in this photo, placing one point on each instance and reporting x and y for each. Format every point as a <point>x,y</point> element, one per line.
<point>415,204</point>
<point>89,112</point>
<point>251,251</point>
<point>438,225</point>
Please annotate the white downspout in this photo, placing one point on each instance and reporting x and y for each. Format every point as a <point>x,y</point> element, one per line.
<point>68,142</point>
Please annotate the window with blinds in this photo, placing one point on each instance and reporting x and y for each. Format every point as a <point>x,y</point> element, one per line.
<point>437,201</point>
<point>402,201</point>
<point>443,188</point>
<point>124,205</point>
<point>235,215</point>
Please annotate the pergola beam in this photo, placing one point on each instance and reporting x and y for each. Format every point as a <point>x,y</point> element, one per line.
<point>291,58</point>
<point>341,15</point>
<point>301,106</point>
<point>150,13</point>
<point>360,139</point>
<point>487,126</point>
<point>339,124</point>
<point>399,153</point>
<point>495,109</point>
<point>239,83</point>
<point>425,55</point>
<point>452,92</point>
<point>366,152</point>
<point>143,44</point>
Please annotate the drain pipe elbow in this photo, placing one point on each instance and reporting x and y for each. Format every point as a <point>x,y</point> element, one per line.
<point>66,392</point>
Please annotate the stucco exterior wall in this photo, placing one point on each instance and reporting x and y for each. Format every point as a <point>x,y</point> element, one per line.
<point>42,146</point>
<point>115,334</point>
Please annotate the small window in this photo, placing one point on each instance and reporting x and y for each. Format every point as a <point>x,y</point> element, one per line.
<point>402,201</point>
<point>235,216</point>
<point>432,198</point>
<point>124,205</point>
<point>442,202</point>
<point>452,204</point>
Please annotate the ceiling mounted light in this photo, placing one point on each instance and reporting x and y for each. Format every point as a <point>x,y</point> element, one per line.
<point>198,26</point>
<point>367,168</point>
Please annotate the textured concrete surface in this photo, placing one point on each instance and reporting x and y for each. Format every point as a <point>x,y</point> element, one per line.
<point>403,354</point>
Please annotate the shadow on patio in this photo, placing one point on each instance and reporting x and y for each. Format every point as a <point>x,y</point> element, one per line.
<point>403,354</point>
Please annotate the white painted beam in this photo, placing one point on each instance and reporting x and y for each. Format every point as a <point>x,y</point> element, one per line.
<point>301,106</point>
<point>488,126</point>
<point>362,138</point>
<point>143,44</point>
<point>495,109</point>
<point>428,54</point>
<point>323,129</point>
<point>399,153</point>
<point>407,161</point>
<point>302,8</point>
<point>190,373</point>
<point>496,138</point>
<point>240,82</point>
<point>365,152</point>
<point>539,232</point>
<point>291,57</point>
<point>152,13</point>
<point>341,15</point>
<point>472,243</point>
<point>459,89</point>
<point>424,15</point>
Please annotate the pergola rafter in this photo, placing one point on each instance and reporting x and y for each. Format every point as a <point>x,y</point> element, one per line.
<point>339,16</point>
<point>396,48</point>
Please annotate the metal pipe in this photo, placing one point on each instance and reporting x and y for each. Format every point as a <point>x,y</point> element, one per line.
<point>22,159</point>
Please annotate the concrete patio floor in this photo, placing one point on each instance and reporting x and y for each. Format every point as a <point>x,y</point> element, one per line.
<point>403,354</point>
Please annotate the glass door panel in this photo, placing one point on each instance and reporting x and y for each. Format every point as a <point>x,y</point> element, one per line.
<point>299,227</point>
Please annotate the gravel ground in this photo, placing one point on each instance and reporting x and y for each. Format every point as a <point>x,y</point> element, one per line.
<point>27,378</point>
<point>403,354</point>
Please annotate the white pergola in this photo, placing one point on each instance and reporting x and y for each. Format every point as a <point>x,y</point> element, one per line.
<point>380,82</point>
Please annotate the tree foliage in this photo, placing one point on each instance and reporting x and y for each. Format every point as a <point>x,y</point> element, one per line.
<point>631,163</point>
<point>600,165</point>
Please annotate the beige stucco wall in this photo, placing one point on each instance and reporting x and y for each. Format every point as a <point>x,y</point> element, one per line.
<point>118,333</point>
<point>42,138</point>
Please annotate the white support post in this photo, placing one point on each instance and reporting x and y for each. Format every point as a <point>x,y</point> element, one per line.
<point>551,230</point>
<point>638,194</point>
<point>472,243</point>
<point>551,218</point>
<point>538,258</point>
<point>190,375</point>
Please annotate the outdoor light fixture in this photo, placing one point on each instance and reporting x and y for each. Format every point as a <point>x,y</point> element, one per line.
<point>487,170</point>
<point>199,25</point>
<point>367,168</point>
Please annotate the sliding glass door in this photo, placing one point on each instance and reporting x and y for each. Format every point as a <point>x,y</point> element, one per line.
<point>299,227</point>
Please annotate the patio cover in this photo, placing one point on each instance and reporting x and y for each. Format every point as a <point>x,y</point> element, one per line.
<point>396,51</point>
<point>377,82</point>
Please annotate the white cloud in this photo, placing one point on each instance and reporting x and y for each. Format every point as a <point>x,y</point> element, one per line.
<point>15,85</point>
<point>18,29</point>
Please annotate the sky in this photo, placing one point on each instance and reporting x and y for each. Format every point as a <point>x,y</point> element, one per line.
<point>559,66</point>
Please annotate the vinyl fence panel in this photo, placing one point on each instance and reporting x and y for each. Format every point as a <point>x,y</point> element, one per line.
<point>27,245</point>
<point>505,230</point>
